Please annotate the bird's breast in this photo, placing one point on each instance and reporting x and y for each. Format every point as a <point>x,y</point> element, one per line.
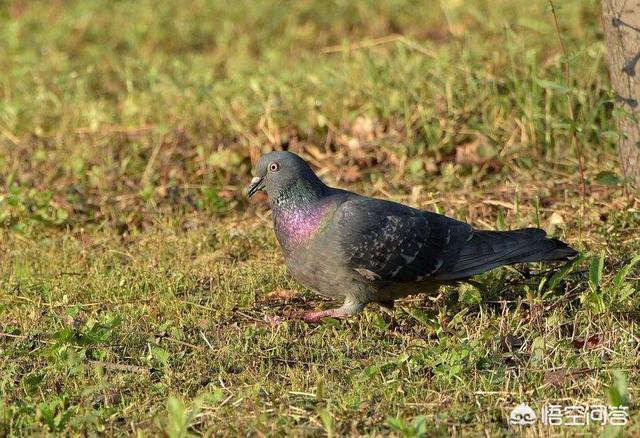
<point>295,227</point>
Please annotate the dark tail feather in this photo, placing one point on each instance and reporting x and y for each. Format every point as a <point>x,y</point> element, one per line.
<point>489,249</point>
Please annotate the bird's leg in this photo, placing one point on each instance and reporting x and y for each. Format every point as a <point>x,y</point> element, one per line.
<point>347,309</point>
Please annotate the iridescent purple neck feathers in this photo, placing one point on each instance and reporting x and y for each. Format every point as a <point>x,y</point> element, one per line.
<point>295,226</point>
<point>299,211</point>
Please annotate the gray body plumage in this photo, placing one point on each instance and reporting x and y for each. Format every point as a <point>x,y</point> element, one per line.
<point>344,245</point>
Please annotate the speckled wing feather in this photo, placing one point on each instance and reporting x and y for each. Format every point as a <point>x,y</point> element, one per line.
<point>386,241</point>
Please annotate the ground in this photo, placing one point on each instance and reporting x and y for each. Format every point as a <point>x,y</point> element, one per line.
<point>140,292</point>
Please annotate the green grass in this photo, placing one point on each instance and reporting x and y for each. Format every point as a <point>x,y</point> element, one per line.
<point>135,278</point>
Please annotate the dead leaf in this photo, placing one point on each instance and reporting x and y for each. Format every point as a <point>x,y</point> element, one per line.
<point>430,166</point>
<point>473,153</point>
<point>365,128</point>
<point>590,343</point>
<point>563,375</point>
<point>556,219</point>
<point>351,174</point>
<point>282,294</point>
<point>161,191</point>
<point>444,323</point>
<point>227,195</point>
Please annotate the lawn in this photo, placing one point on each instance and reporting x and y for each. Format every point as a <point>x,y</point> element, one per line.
<point>139,287</point>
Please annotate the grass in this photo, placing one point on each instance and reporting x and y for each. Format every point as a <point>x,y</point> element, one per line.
<point>135,278</point>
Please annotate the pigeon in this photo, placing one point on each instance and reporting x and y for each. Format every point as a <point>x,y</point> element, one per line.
<point>359,249</point>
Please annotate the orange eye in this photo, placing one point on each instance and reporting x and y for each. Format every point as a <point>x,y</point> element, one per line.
<point>273,166</point>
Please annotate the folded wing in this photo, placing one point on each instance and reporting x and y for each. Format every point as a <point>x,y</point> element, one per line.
<point>386,241</point>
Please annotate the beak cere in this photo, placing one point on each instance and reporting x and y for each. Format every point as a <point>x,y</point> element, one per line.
<point>256,185</point>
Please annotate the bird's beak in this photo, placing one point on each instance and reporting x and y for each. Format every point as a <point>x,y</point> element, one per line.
<point>256,185</point>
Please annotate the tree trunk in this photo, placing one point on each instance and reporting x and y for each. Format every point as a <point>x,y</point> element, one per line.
<point>622,34</point>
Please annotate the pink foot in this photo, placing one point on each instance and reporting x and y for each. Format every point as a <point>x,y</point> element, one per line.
<point>317,316</point>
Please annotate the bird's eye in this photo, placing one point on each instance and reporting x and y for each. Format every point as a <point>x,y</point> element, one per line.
<point>274,166</point>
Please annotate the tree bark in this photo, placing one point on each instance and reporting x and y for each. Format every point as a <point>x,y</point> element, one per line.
<point>622,34</point>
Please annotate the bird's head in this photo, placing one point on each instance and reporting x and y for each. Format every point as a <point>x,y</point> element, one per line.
<point>284,174</point>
